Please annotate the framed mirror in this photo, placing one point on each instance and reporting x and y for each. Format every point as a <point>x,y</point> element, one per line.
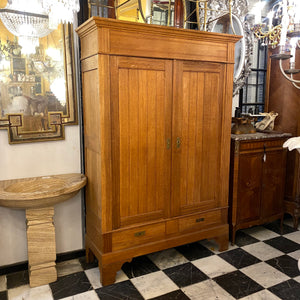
<point>236,23</point>
<point>37,86</point>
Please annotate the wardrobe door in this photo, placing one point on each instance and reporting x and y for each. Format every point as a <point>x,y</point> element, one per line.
<point>197,168</point>
<point>141,97</point>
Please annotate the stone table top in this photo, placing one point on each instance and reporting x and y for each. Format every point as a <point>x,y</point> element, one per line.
<point>260,135</point>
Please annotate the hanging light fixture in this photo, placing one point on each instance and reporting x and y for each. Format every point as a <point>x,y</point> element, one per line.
<point>60,11</point>
<point>281,29</point>
<point>32,19</point>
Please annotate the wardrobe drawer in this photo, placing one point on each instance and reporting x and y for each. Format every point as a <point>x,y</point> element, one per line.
<point>200,221</point>
<point>137,236</point>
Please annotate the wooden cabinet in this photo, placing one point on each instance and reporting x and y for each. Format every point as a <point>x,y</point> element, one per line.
<point>157,107</point>
<point>257,178</point>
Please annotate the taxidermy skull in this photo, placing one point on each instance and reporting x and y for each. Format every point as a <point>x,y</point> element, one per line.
<point>268,122</point>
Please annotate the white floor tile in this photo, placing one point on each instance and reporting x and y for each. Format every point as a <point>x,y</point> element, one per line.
<point>262,251</point>
<point>154,284</point>
<point>90,295</point>
<point>2,283</point>
<point>262,295</point>
<point>24,292</point>
<point>121,276</point>
<point>295,254</point>
<point>261,233</point>
<point>264,274</point>
<point>297,278</point>
<point>167,258</point>
<point>213,266</point>
<point>68,267</point>
<point>206,290</point>
<point>294,236</point>
<point>94,277</point>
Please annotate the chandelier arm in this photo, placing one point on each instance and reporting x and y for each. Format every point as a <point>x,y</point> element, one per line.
<point>287,77</point>
<point>296,86</point>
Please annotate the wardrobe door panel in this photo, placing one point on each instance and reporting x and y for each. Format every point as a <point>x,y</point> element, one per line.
<point>197,127</point>
<point>141,136</point>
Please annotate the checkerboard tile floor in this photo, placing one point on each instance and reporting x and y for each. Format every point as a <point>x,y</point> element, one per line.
<point>263,264</point>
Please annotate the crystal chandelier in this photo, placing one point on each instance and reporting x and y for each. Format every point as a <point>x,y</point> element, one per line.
<point>60,11</point>
<point>281,29</point>
<point>32,19</point>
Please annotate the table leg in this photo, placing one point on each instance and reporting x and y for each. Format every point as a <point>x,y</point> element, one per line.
<point>41,246</point>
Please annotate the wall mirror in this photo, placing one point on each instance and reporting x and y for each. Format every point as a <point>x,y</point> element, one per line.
<point>223,25</point>
<point>37,86</point>
<point>236,23</point>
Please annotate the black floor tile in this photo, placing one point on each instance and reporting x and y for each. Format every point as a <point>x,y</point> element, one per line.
<point>244,239</point>
<point>17,279</point>
<point>194,251</point>
<point>176,295</point>
<point>283,244</point>
<point>239,258</point>
<point>275,226</point>
<point>86,265</point>
<point>238,284</point>
<point>286,265</point>
<point>288,290</point>
<point>139,266</point>
<point>3,295</point>
<point>70,285</point>
<point>185,274</point>
<point>122,291</point>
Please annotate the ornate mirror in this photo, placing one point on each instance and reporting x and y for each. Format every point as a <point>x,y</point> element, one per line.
<point>233,26</point>
<point>37,86</point>
<point>234,23</point>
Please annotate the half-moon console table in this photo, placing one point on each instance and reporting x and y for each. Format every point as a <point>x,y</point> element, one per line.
<point>38,195</point>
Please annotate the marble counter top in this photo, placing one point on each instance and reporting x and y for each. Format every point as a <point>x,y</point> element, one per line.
<point>260,135</point>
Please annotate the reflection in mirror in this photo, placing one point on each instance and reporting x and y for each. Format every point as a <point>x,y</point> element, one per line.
<point>162,12</point>
<point>129,10</point>
<point>101,8</point>
<point>224,25</point>
<point>221,23</point>
<point>37,96</point>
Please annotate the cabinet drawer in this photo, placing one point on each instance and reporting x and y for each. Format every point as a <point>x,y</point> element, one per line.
<point>261,144</point>
<point>137,236</point>
<point>201,221</point>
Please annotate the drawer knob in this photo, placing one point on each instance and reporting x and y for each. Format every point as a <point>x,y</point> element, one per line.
<point>140,233</point>
<point>199,220</point>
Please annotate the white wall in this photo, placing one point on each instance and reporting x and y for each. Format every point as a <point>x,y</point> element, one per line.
<point>39,159</point>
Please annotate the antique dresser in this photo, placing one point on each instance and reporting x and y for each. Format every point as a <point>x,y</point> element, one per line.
<point>257,179</point>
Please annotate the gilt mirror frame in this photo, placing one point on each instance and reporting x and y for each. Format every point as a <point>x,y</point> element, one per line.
<point>46,115</point>
<point>239,11</point>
